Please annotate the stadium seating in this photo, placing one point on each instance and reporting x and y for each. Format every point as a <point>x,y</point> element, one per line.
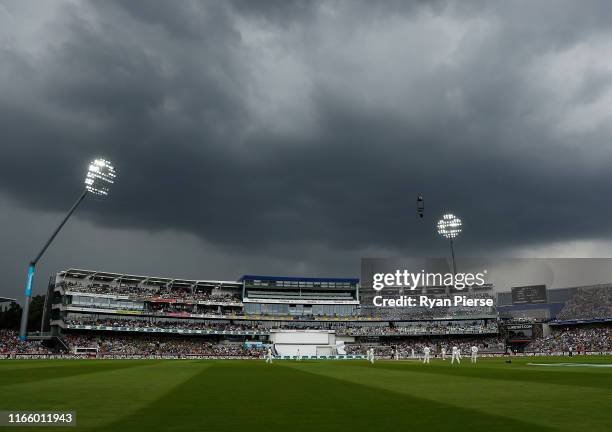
<point>588,303</point>
<point>109,314</point>
<point>591,339</point>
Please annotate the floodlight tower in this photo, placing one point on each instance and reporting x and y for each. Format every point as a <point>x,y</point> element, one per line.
<point>449,227</point>
<point>420,204</point>
<point>100,176</point>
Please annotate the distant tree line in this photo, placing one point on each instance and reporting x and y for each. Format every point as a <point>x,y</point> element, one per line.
<point>10,315</point>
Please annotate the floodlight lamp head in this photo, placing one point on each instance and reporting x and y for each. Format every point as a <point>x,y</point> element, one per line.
<point>449,226</point>
<point>100,176</point>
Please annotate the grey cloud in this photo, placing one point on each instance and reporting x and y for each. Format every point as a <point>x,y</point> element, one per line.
<point>381,103</point>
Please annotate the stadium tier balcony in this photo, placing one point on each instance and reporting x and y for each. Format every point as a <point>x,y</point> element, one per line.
<point>422,328</point>
<point>141,326</point>
<point>81,322</point>
<point>164,290</point>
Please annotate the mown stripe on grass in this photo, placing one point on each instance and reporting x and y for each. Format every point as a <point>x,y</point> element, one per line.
<point>101,398</point>
<point>21,375</point>
<point>563,407</point>
<point>252,396</point>
<point>509,372</point>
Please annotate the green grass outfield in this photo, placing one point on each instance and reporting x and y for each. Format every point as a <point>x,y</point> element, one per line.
<point>232,395</point>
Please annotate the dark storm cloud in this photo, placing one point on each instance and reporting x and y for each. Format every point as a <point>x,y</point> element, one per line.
<point>265,126</point>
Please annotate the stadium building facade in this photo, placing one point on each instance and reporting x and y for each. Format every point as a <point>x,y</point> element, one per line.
<point>250,311</point>
<point>113,315</point>
<point>299,297</point>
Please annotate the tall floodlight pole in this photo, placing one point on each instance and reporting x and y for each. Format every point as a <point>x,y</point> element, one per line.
<point>100,176</point>
<point>420,205</point>
<point>449,227</point>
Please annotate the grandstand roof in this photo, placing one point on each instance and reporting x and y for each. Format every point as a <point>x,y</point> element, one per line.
<point>6,300</point>
<point>106,276</point>
<point>81,274</point>
<point>297,279</point>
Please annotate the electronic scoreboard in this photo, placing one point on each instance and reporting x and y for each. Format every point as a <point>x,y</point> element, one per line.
<point>531,294</point>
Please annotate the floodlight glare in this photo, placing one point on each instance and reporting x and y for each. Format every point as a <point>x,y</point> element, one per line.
<point>449,226</point>
<point>100,176</point>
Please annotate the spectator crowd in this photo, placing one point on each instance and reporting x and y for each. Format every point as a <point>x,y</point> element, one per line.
<point>588,303</point>
<point>169,325</point>
<point>427,313</point>
<point>152,346</point>
<point>408,348</point>
<point>576,339</point>
<point>10,344</point>
<point>422,328</point>
<point>341,328</point>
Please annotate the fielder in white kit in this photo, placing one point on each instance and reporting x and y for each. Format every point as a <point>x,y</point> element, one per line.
<point>474,354</point>
<point>456,355</point>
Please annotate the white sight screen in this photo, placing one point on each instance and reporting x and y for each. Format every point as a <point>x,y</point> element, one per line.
<point>302,338</point>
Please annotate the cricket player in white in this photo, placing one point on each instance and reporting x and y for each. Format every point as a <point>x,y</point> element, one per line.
<point>455,355</point>
<point>412,352</point>
<point>299,356</point>
<point>443,353</point>
<point>426,352</point>
<point>269,356</point>
<point>474,354</point>
<point>372,355</point>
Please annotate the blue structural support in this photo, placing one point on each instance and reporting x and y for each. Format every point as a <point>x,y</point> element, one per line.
<point>23,329</point>
<point>26,306</point>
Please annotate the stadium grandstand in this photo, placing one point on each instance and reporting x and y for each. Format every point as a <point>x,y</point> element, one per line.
<point>592,303</point>
<point>433,292</point>
<point>6,300</point>
<point>564,320</point>
<point>112,315</point>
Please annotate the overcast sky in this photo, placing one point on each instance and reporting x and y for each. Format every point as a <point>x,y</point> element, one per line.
<point>281,137</point>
